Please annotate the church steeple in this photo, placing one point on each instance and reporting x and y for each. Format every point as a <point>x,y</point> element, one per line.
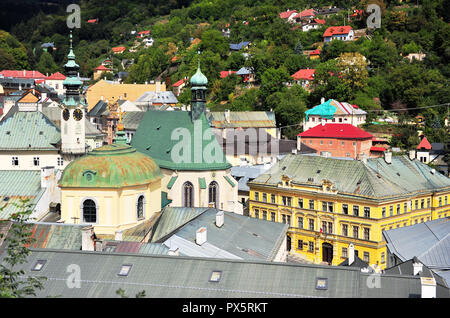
<point>198,93</point>
<point>72,84</point>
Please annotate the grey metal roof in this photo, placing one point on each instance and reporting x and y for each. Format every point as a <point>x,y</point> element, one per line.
<point>101,108</point>
<point>131,120</point>
<point>54,114</point>
<point>239,237</point>
<point>376,179</point>
<point>247,173</point>
<point>429,241</point>
<point>184,277</point>
<point>164,97</point>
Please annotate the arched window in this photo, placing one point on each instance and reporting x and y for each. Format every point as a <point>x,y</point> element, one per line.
<point>140,207</point>
<point>188,194</point>
<point>213,194</point>
<point>89,211</point>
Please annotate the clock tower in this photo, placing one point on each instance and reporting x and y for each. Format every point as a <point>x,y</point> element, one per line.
<point>72,111</point>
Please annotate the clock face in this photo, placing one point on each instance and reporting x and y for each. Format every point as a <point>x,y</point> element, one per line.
<point>78,114</point>
<point>66,114</point>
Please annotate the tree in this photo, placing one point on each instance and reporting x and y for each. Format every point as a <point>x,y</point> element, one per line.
<point>46,64</point>
<point>353,71</point>
<point>12,285</point>
<point>213,41</point>
<point>272,81</point>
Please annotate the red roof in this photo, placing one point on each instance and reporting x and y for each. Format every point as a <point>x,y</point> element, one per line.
<point>304,74</point>
<point>224,74</point>
<point>314,52</point>
<point>57,76</point>
<point>307,13</point>
<point>340,131</point>
<point>424,144</point>
<point>92,21</point>
<point>181,81</point>
<point>101,68</point>
<point>377,149</point>
<point>144,32</point>
<point>287,14</point>
<point>119,49</point>
<point>337,30</point>
<point>23,74</point>
<point>319,21</point>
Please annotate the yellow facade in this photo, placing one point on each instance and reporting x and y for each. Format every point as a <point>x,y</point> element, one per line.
<point>313,238</point>
<point>116,207</point>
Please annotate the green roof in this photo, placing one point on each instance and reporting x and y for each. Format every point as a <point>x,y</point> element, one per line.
<point>229,181</point>
<point>111,166</point>
<point>28,131</point>
<point>198,79</point>
<point>325,110</point>
<point>375,180</point>
<point>165,135</point>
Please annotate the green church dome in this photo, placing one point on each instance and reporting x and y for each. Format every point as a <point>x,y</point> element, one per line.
<point>111,166</point>
<point>199,79</point>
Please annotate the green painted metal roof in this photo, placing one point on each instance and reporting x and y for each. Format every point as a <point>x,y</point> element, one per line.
<point>376,179</point>
<point>28,131</point>
<point>325,110</point>
<point>198,79</point>
<point>165,136</point>
<point>16,186</point>
<point>229,181</point>
<point>110,166</point>
<point>57,236</point>
<point>164,200</point>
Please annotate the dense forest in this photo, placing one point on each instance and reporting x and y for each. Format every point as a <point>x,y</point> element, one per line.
<point>371,72</point>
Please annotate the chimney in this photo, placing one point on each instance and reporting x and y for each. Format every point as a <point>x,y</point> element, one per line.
<point>118,236</point>
<point>227,115</point>
<point>46,174</point>
<point>428,287</point>
<point>211,205</point>
<point>388,157</point>
<point>220,217</point>
<point>101,98</point>
<point>417,266</point>
<point>87,241</point>
<point>200,236</point>
<point>351,254</point>
<point>322,100</point>
<point>174,251</point>
<point>412,154</point>
<point>294,151</point>
<point>98,245</point>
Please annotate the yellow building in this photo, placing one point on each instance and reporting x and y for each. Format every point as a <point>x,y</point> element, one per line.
<point>113,187</point>
<point>104,90</point>
<point>330,203</point>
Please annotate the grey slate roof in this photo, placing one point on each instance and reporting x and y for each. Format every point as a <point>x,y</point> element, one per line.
<point>376,179</point>
<point>429,241</point>
<point>101,108</point>
<point>239,237</point>
<point>131,120</point>
<point>183,277</point>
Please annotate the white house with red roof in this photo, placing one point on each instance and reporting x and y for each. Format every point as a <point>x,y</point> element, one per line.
<point>305,16</point>
<point>314,24</point>
<point>336,140</point>
<point>288,15</point>
<point>99,70</point>
<point>24,74</point>
<point>423,150</point>
<point>343,33</point>
<point>304,77</point>
<point>178,86</point>
<point>56,82</point>
<point>118,49</point>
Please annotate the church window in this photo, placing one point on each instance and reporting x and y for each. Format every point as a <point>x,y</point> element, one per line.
<point>213,193</point>
<point>89,211</point>
<point>140,207</point>
<point>188,194</point>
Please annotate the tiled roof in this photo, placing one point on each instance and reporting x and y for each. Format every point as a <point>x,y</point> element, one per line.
<point>306,13</point>
<point>224,74</point>
<point>424,144</point>
<point>56,76</point>
<point>378,149</point>
<point>118,49</point>
<point>178,83</point>
<point>101,68</point>
<point>376,180</point>
<point>287,14</point>
<point>337,30</point>
<point>23,74</point>
<point>153,137</point>
<point>28,131</point>
<point>304,74</point>
<point>334,130</point>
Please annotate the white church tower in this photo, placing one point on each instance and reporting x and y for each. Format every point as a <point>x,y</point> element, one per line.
<point>73,112</point>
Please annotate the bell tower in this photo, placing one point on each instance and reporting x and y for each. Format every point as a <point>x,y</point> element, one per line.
<point>198,93</point>
<point>72,110</point>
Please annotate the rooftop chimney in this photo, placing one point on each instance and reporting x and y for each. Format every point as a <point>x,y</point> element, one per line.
<point>118,236</point>
<point>322,100</point>
<point>87,238</point>
<point>351,254</point>
<point>412,154</point>
<point>220,217</point>
<point>428,285</point>
<point>200,236</point>
<point>418,267</point>
<point>46,174</point>
<point>388,157</point>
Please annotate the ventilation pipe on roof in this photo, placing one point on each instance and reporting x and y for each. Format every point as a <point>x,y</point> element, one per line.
<point>388,157</point>
<point>351,254</point>
<point>200,236</point>
<point>220,218</point>
<point>87,238</point>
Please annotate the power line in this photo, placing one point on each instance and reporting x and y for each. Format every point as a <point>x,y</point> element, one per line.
<point>394,110</point>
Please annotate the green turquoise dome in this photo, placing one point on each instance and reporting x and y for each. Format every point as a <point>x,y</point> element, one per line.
<point>111,166</point>
<point>199,79</point>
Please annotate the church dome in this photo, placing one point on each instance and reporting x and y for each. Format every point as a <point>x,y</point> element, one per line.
<point>198,79</point>
<point>111,166</point>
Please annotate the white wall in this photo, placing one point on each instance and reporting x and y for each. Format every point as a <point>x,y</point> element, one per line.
<point>46,158</point>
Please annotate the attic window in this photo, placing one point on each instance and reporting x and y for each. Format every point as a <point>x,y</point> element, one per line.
<point>125,270</point>
<point>38,265</point>
<point>6,199</point>
<point>322,283</point>
<point>158,127</point>
<point>148,147</point>
<point>318,171</point>
<point>311,179</point>
<point>215,276</point>
<point>41,133</point>
<point>398,174</point>
<point>8,133</point>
